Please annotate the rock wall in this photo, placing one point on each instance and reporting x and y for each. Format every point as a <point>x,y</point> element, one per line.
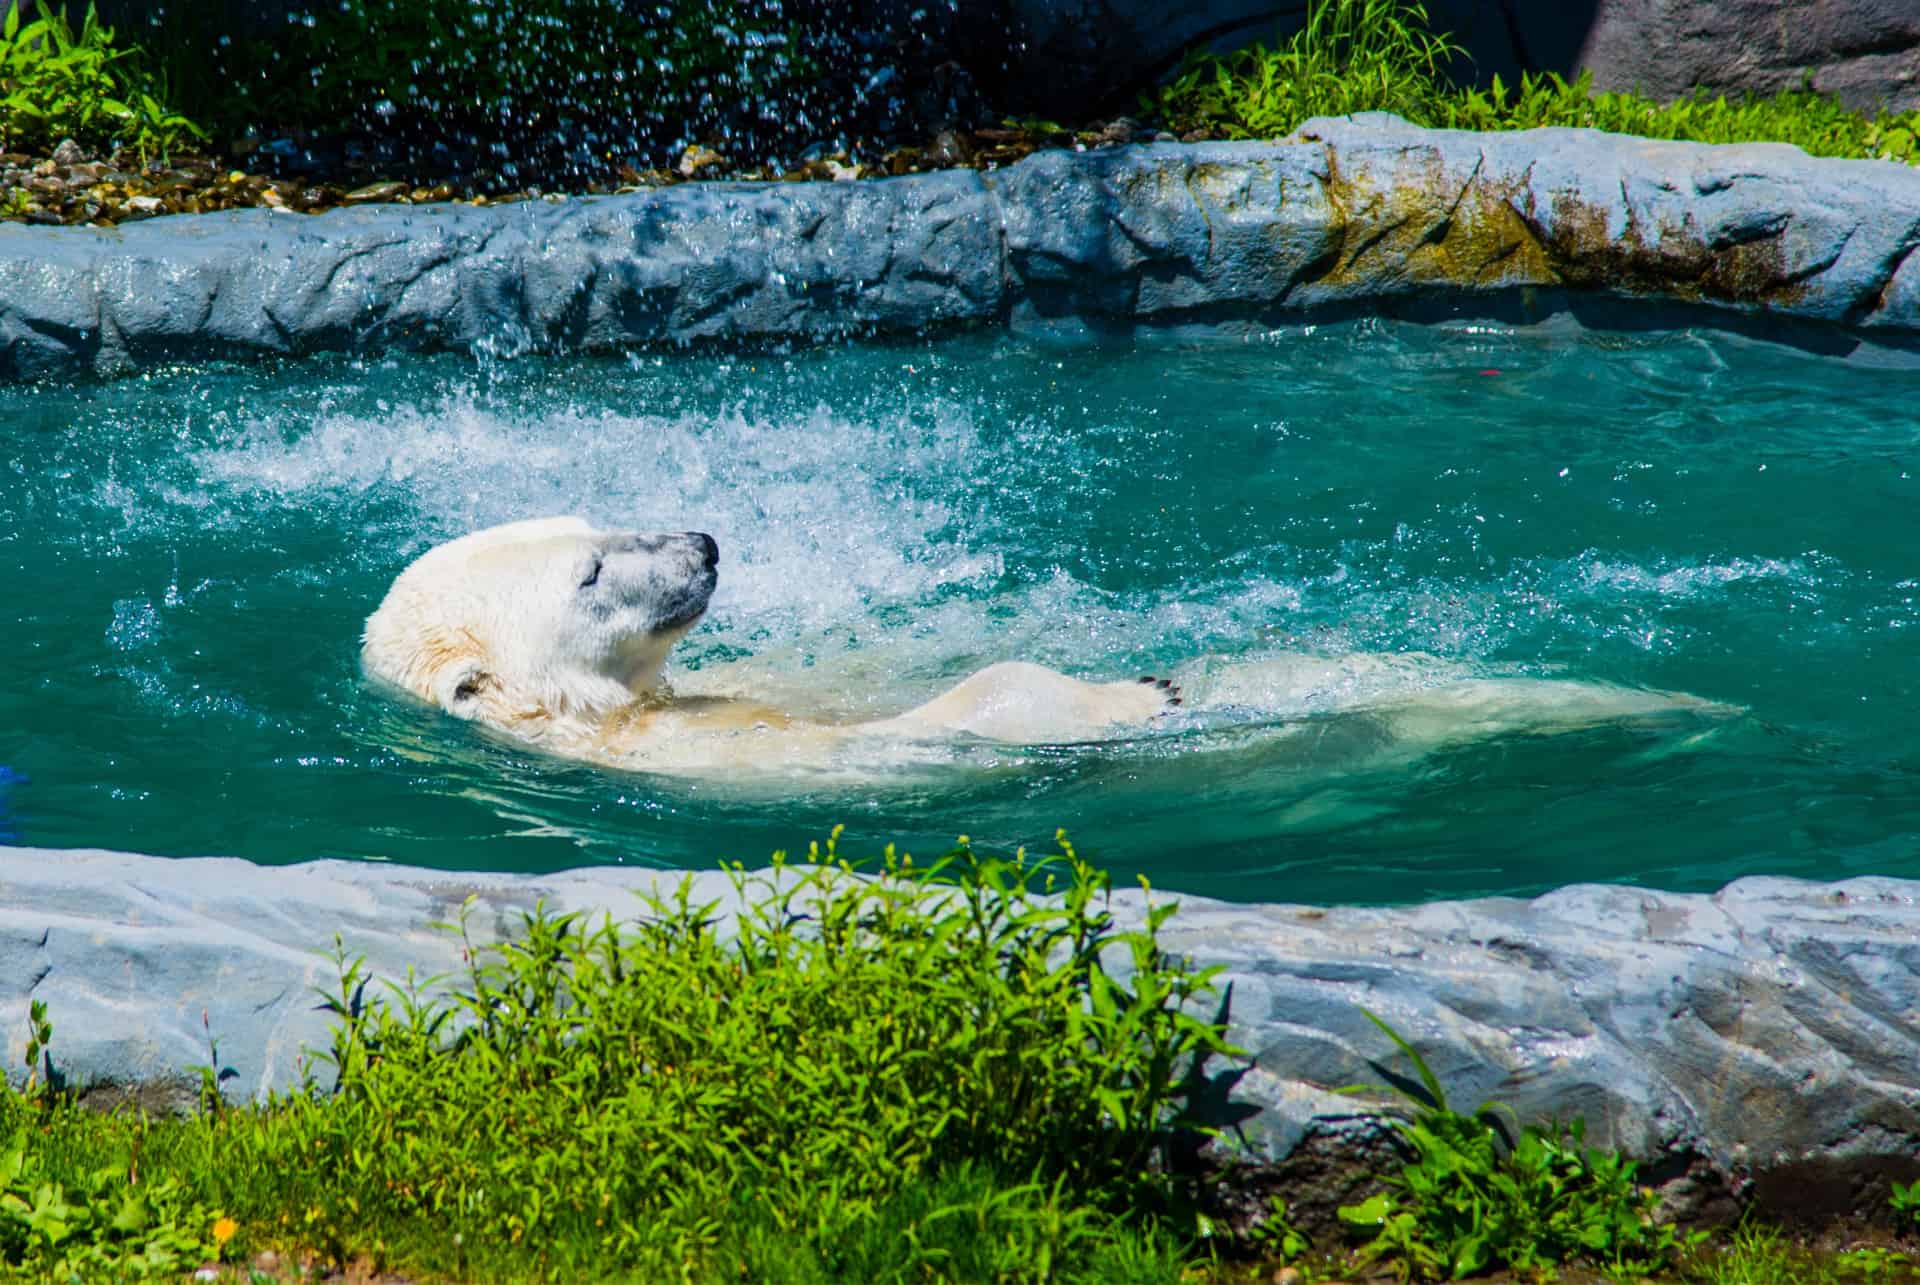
<point>1763,1042</point>
<point>1865,51</point>
<point>1360,214</point>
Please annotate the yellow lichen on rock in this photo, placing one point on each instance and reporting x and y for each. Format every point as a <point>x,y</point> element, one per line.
<point>1424,223</point>
<point>1427,225</point>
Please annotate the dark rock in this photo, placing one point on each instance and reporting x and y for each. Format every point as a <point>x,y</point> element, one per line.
<point>68,153</point>
<point>948,149</point>
<point>1760,1042</point>
<point>1365,211</point>
<point>1865,51</point>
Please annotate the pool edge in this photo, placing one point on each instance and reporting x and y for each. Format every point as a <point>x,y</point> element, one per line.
<point>1756,1044</point>
<point>1352,214</point>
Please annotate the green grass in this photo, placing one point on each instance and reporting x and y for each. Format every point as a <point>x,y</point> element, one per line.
<point>1756,1254</point>
<point>57,83</point>
<point>1381,55</point>
<point>932,1073</point>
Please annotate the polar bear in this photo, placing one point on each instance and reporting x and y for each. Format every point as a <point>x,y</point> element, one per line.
<point>557,632</point>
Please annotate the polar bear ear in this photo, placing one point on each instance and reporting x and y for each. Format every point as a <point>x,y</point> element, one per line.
<point>459,688</point>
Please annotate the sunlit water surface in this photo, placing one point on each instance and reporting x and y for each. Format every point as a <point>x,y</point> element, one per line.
<point>188,558</point>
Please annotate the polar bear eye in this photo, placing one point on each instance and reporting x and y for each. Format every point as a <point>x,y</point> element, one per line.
<point>593,575</point>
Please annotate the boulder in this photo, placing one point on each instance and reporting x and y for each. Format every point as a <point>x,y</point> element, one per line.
<point>1867,52</point>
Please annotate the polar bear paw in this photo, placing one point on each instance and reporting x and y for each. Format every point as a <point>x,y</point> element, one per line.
<point>1170,694</point>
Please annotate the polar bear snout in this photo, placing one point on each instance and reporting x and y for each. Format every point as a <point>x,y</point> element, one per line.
<point>709,548</point>
<point>664,581</point>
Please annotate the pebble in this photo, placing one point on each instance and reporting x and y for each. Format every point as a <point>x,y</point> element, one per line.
<point>375,192</point>
<point>948,148</point>
<point>68,153</point>
<point>698,158</point>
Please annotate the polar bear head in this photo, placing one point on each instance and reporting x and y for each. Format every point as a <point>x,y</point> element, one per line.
<point>551,619</point>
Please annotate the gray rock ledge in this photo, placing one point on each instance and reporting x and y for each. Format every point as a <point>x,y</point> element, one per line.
<point>1353,214</point>
<point>1763,1042</point>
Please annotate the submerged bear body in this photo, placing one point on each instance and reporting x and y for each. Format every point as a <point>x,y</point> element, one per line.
<point>557,632</point>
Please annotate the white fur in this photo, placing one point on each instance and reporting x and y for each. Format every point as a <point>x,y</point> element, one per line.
<point>497,626</point>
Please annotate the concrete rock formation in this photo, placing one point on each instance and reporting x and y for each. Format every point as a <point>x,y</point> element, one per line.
<point>1352,214</point>
<point>1762,1042</point>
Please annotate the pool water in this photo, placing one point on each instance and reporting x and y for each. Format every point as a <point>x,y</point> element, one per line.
<point>189,556</point>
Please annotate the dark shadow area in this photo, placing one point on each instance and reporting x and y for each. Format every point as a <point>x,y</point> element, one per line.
<point>1511,37</point>
<point>1066,60</point>
<point>1812,1194</point>
<point>1064,318</point>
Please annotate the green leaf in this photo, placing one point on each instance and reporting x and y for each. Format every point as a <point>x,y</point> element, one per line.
<point>1368,1213</point>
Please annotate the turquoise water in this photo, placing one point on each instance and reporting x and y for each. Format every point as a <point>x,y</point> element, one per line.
<point>190,555</point>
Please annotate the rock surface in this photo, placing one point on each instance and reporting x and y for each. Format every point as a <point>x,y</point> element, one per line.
<point>1867,52</point>
<point>1764,1041</point>
<point>1366,213</point>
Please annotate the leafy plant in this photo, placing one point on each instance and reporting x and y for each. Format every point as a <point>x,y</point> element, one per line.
<point>1467,1203</point>
<point>1905,1200</point>
<point>93,1221</point>
<point>1275,1237</point>
<point>40,1077</point>
<point>1352,55</point>
<point>1820,125</point>
<point>57,84</point>
<point>963,1071</point>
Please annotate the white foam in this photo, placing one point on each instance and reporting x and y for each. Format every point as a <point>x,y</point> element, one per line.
<point>818,514</point>
<point>1687,580</point>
